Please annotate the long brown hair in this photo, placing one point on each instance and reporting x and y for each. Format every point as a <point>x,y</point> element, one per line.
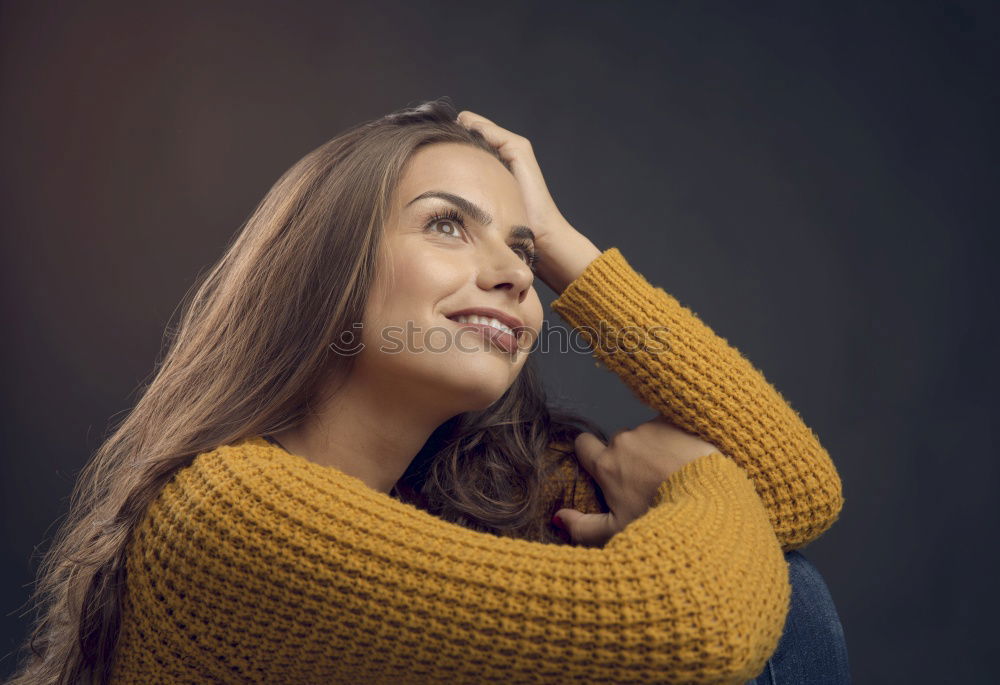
<point>249,356</point>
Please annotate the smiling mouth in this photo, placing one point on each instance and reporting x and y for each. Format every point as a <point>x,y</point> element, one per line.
<point>504,340</point>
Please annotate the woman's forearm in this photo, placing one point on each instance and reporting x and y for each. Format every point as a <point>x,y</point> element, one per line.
<point>564,256</point>
<point>679,366</point>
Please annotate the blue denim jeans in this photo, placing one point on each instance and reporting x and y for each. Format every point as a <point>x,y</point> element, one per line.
<point>812,648</point>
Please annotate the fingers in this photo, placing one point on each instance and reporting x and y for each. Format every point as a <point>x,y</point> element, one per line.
<point>465,117</point>
<point>588,449</point>
<point>473,120</point>
<point>506,141</point>
<point>478,123</point>
<point>589,530</point>
<point>588,446</point>
<point>516,151</point>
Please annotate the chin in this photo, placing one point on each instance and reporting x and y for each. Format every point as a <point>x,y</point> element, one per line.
<point>483,405</point>
<point>478,390</point>
<point>482,395</point>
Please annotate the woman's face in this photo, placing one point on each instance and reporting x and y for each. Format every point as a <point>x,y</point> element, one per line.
<point>435,267</point>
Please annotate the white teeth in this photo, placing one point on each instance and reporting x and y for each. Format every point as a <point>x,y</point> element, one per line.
<point>489,321</point>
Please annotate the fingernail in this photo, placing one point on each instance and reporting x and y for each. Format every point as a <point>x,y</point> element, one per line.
<point>558,521</point>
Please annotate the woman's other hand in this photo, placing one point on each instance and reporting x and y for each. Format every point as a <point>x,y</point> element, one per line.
<point>563,251</point>
<point>629,470</point>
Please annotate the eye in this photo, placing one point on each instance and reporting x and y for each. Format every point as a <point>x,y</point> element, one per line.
<point>528,250</point>
<point>450,215</point>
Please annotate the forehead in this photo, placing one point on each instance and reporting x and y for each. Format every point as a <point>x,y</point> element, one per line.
<point>460,169</point>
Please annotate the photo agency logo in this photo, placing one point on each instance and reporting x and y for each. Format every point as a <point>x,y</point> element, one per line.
<point>558,338</point>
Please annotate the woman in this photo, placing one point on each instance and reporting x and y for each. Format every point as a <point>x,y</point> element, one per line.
<point>260,515</point>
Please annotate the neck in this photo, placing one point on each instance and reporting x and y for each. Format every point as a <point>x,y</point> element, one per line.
<point>367,430</point>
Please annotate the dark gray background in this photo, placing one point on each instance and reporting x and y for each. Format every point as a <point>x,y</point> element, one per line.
<point>817,181</point>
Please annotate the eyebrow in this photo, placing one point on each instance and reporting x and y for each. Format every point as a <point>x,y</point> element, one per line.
<point>475,211</point>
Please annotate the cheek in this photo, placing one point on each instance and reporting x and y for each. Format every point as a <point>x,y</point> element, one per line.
<point>414,289</point>
<point>533,315</point>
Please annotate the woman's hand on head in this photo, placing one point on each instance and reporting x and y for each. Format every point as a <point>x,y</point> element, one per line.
<point>564,252</point>
<point>543,215</point>
<point>629,470</point>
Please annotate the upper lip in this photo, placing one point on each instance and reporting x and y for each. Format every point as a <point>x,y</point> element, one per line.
<point>506,319</point>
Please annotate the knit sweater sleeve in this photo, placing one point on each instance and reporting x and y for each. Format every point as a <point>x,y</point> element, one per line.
<point>257,565</point>
<point>677,365</point>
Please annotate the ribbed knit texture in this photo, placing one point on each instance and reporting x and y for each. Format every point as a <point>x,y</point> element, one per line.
<point>257,565</point>
<point>705,386</point>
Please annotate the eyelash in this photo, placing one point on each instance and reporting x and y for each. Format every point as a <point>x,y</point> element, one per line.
<point>452,214</point>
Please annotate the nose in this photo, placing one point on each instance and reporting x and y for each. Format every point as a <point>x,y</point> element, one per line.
<point>506,269</point>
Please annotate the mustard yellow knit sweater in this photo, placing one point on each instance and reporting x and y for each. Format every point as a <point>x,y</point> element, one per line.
<point>255,565</point>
